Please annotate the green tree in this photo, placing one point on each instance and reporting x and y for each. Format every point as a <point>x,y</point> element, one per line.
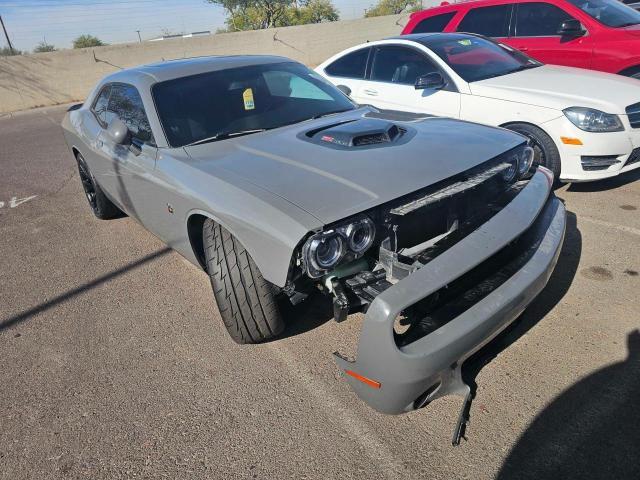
<point>393,7</point>
<point>259,14</point>
<point>85,41</point>
<point>6,52</point>
<point>44,47</point>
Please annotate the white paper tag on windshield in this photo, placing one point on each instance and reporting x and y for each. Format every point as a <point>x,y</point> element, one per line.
<point>247,96</point>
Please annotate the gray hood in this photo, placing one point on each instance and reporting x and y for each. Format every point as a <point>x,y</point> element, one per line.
<point>332,184</point>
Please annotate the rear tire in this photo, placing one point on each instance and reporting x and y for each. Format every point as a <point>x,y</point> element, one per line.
<point>100,205</point>
<point>248,304</point>
<point>546,152</point>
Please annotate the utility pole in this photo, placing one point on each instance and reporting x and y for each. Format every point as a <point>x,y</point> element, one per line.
<point>6,36</point>
<point>139,37</point>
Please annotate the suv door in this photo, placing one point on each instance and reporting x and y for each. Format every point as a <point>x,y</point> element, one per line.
<point>391,83</point>
<point>535,33</point>
<point>129,183</point>
<point>349,71</point>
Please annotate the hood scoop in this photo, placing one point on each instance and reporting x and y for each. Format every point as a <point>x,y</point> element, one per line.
<point>366,132</point>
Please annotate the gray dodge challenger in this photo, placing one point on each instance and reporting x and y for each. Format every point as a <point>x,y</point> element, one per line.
<point>277,185</point>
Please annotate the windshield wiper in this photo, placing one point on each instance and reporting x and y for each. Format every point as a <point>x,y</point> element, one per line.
<point>526,66</point>
<point>224,135</point>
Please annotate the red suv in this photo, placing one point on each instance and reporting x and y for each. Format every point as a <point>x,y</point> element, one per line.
<point>596,34</point>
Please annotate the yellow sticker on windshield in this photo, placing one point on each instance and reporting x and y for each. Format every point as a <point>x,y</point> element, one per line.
<point>465,42</point>
<point>247,96</point>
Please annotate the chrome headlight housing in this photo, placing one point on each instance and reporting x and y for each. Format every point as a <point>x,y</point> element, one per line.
<point>520,161</point>
<point>592,120</point>
<point>323,251</point>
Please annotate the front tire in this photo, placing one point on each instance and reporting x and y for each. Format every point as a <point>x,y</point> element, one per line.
<point>100,205</point>
<point>546,152</point>
<point>248,304</point>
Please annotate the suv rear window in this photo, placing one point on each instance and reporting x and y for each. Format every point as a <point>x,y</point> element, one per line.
<point>433,24</point>
<point>488,21</point>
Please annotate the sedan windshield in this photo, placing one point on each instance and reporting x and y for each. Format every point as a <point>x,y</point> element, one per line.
<point>612,13</point>
<point>476,58</point>
<point>227,103</point>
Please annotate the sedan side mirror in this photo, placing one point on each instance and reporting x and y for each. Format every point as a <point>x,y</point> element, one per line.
<point>344,89</point>
<point>432,81</point>
<point>571,28</point>
<point>118,131</point>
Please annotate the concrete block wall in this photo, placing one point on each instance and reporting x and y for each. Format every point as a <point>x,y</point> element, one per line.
<point>65,76</point>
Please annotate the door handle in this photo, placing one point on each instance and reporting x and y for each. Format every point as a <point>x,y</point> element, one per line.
<point>371,92</point>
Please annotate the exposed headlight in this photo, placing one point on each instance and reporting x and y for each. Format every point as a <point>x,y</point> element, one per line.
<point>525,161</point>
<point>520,161</point>
<point>325,250</point>
<point>360,235</point>
<point>592,120</point>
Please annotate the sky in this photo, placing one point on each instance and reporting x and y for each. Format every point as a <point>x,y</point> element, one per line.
<point>58,22</point>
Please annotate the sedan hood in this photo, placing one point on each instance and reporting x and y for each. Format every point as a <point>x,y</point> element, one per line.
<point>331,182</point>
<point>562,87</point>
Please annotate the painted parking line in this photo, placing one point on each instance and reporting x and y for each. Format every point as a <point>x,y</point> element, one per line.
<point>15,202</point>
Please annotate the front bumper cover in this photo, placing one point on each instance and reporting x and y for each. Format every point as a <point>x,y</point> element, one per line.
<point>413,375</point>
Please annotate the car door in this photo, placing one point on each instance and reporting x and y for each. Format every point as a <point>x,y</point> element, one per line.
<point>349,71</point>
<point>535,33</point>
<point>391,83</point>
<point>132,163</point>
<point>492,21</point>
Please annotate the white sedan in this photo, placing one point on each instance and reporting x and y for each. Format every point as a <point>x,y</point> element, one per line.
<point>584,125</point>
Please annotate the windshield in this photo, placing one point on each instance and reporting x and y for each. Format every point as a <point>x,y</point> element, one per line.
<point>239,101</point>
<point>476,58</point>
<point>610,12</point>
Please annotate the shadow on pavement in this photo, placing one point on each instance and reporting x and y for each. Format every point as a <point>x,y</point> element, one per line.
<point>553,293</point>
<point>607,184</point>
<point>69,294</point>
<point>591,431</point>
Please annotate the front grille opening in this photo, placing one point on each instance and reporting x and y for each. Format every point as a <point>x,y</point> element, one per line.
<point>441,307</point>
<point>602,162</point>
<point>633,111</point>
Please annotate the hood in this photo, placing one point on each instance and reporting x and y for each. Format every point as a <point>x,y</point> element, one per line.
<point>333,181</point>
<point>562,87</point>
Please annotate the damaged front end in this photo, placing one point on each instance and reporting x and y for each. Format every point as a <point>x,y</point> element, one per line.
<point>440,273</point>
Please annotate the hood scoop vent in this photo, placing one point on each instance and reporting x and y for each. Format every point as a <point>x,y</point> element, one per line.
<point>366,132</point>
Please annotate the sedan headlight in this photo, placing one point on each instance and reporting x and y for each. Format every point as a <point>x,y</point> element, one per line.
<point>592,120</point>
<point>323,251</point>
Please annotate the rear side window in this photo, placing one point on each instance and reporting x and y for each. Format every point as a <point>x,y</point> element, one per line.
<point>100,105</point>
<point>539,19</point>
<point>399,65</point>
<point>488,21</point>
<point>126,104</point>
<point>352,65</point>
<point>433,24</point>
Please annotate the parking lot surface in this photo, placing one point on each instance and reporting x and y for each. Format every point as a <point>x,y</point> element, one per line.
<point>115,362</point>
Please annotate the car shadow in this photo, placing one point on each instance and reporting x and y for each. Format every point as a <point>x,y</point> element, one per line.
<point>590,431</point>
<point>557,287</point>
<point>607,184</point>
<point>315,311</point>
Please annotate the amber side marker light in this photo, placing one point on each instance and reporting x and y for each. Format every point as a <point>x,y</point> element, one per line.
<point>571,141</point>
<point>363,379</point>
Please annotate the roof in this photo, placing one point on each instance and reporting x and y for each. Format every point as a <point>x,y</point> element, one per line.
<point>427,38</point>
<point>183,67</point>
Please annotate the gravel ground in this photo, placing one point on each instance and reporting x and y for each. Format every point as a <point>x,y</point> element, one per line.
<point>115,363</point>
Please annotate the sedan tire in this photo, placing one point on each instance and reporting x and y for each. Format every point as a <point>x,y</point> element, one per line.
<point>101,206</point>
<point>248,303</point>
<point>546,152</point>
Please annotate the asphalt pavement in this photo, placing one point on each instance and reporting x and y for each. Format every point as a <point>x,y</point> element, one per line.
<point>115,362</point>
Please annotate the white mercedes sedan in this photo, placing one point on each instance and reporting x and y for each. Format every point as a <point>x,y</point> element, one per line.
<point>583,125</point>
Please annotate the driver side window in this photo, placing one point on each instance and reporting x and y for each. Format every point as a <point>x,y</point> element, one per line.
<point>126,104</point>
<point>539,19</point>
<point>400,65</point>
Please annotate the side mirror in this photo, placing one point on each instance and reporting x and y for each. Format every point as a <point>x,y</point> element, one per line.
<point>118,131</point>
<point>571,28</point>
<point>344,89</point>
<point>432,81</point>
